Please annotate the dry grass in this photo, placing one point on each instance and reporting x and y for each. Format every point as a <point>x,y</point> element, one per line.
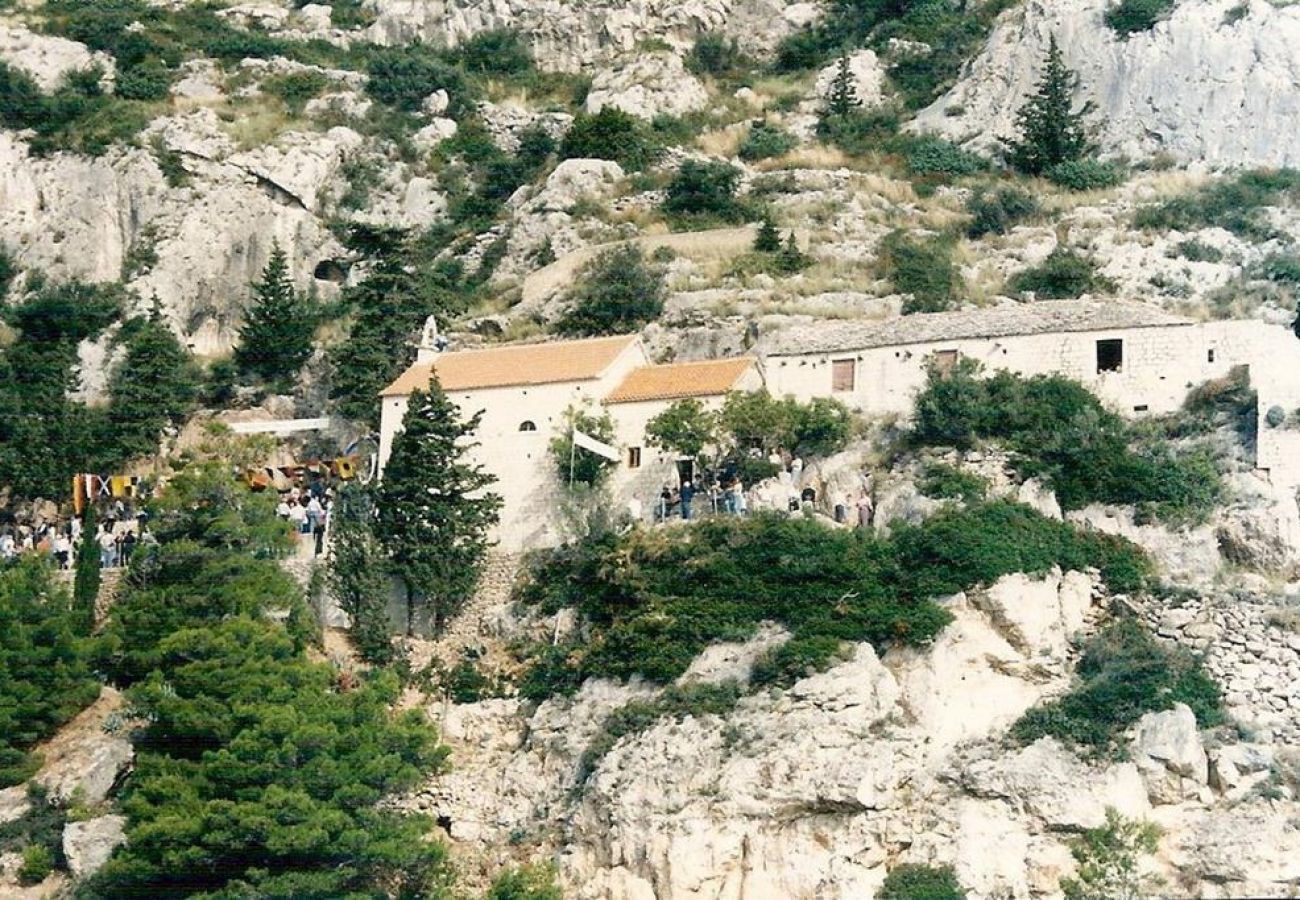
<point>723,143</point>
<point>258,121</point>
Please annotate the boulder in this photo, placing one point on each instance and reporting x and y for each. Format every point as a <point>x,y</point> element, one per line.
<point>647,86</point>
<point>89,769</point>
<point>868,79</point>
<point>433,134</point>
<point>574,179</point>
<point>47,59</point>
<point>1049,782</point>
<point>1238,766</point>
<point>733,660</point>
<point>1252,848</point>
<point>1037,615</point>
<point>1168,752</point>
<point>13,804</point>
<point>89,844</point>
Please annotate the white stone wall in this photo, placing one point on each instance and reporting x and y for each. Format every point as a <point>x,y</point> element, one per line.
<point>1160,365</point>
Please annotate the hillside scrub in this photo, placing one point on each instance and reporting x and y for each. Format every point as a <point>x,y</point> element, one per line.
<point>616,293</point>
<point>923,268</point>
<point>45,672</point>
<point>998,210</point>
<point>1064,274</point>
<point>1235,203</point>
<point>1123,674</point>
<point>1058,430</point>
<point>703,194</point>
<point>258,768</point>
<point>653,599</point>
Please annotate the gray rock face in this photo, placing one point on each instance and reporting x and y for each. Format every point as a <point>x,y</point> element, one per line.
<point>1198,86</point>
<point>647,86</point>
<point>89,844</point>
<point>89,770</point>
<point>47,59</point>
<point>566,36</point>
<point>1168,752</point>
<point>13,804</point>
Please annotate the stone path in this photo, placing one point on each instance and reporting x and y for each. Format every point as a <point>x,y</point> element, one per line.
<point>477,625</point>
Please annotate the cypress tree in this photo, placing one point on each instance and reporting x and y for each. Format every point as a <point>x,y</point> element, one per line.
<point>358,574</point>
<point>276,337</point>
<point>85,583</point>
<point>433,512</point>
<point>1051,130</point>
<point>842,97</point>
<point>153,386</point>
<point>768,239</point>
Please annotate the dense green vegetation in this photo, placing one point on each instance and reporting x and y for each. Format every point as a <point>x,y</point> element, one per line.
<point>77,116</point>
<point>582,467</point>
<point>1110,860</point>
<point>45,672</point>
<point>258,772</point>
<point>1236,203</point>
<point>945,482</point>
<point>616,293</point>
<point>1064,274</point>
<point>1131,16</point>
<point>1123,674</point>
<point>611,134</point>
<point>764,141</point>
<point>703,195</point>
<point>1051,131</point>
<point>1058,430</point>
<point>912,881</point>
<point>526,883</point>
<point>432,512</point>
<point>275,339</point>
<point>998,210</point>
<point>653,599</point>
<point>150,387</point>
<point>922,268</point>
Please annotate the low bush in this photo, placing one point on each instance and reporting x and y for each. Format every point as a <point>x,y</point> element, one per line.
<point>1110,860</point>
<point>717,55</point>
<point>1058,430</point>
<point>1086,174</point>
<point>1279,267</point>
<point>912,881</point>
<point>1123,674</point>
<point>42,825</point>
<point>611,134</point>
<point>997,211</point>
<point>497,52</point>
<point>1235,203</point>
<point>795,659</point>
<point>861,132</point>
<point>1197,251</point>
<point>402,77</point>
<point>935,156</point>
<point>37,864</point>
<point>294,89</point>
<point>703,194</point>
<point>944,482</point>
<point>764,141</point>
<point>616,293</point>
<point>526,883</point>
<point>1062,275</point>
<point>922,268</point>
<point>1131,16</point>
<point>653,599</point>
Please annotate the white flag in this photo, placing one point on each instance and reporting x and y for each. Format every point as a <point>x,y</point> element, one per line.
<point>599,447</point>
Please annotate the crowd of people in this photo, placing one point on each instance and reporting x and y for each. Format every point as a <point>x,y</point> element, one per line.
<point>117,536</point>
<point>308,511</point>
<point>788,491</point>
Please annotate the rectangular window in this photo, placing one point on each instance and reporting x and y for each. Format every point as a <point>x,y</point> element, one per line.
<point>945,361</point>
<point>1209,356</point>
<point>634,457</point>
<point>843,373</point>
<point>1110,355</point>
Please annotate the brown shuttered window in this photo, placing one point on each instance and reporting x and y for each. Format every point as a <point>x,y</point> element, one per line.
<point>842,374</point>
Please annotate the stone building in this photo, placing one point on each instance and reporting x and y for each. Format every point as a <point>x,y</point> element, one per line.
<point>524,392</point>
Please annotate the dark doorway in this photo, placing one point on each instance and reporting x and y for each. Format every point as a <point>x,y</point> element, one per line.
<point>1110,355</point>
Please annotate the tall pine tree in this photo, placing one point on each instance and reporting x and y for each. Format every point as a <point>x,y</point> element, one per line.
<point>433,510</point>
<point>276,338</point>
<point>1051,130</point>
<point>85,583</point>
<point>842,96</point>
<point>153,386</point>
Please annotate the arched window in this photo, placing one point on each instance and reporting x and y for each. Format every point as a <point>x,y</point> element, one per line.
<point>527,425</point>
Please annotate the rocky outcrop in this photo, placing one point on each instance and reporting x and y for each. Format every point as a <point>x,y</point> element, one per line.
<point>568,36</point>
<point>46,58</point>
<point>88,845</point>
<point>1217,82</point>
<point>647,86</point>
<point>88,769</point>
<point>1168,752</point>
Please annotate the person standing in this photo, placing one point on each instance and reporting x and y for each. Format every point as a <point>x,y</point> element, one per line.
<point>866,510</point>
<point>107,548</point>
<point>62,547</point>
<point>315,514</point>
<point>128,547</point>
<point>687,496</point>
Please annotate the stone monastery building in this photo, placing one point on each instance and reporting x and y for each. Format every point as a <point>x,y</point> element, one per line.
<point>1136,358</point>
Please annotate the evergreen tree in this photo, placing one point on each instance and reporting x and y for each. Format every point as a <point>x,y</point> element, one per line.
<point>842,96</point>
<point>768,239</point>
<point>358,574</point>
<point>433,512</point>
<point>276,337</point>
<point>85,584</point>
<point>152,387</point>
<point>789,258</point>
<point>1051,130</point>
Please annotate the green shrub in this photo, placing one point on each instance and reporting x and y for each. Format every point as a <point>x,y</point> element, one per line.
<point>653,599</point>
<point>1197,251</point>
<point>1110,862</point>
<point>150,80</point>
<point>923,268</point>
<point>1058,430</point>
<point>296,88</point>
<point>704,193</point>
<point>1131,16</point>
<point>465,683</point>
<point>403,77</point>
<point>996,211</point>
<point>911,881</point>
<point>37,865</point>
<point>1063,274</point>
<point>1279,267</point>
<point>616,293</point>
<point>42,825</point>
<point>1086,174</point>
<point>1235,203</point>
<point>526,883</point>
<point>1123,674</point>
<point>944,482</point>
<point>935,156</point>
<point>717,55</point>
<point>764,141</point>
<point>795,659</point>
<point>861,132</point>
<point>611,134</point>
<point>497,52</point>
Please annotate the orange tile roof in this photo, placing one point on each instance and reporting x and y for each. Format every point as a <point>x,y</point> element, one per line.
<point>678,380</point>
<point>514,365</point>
